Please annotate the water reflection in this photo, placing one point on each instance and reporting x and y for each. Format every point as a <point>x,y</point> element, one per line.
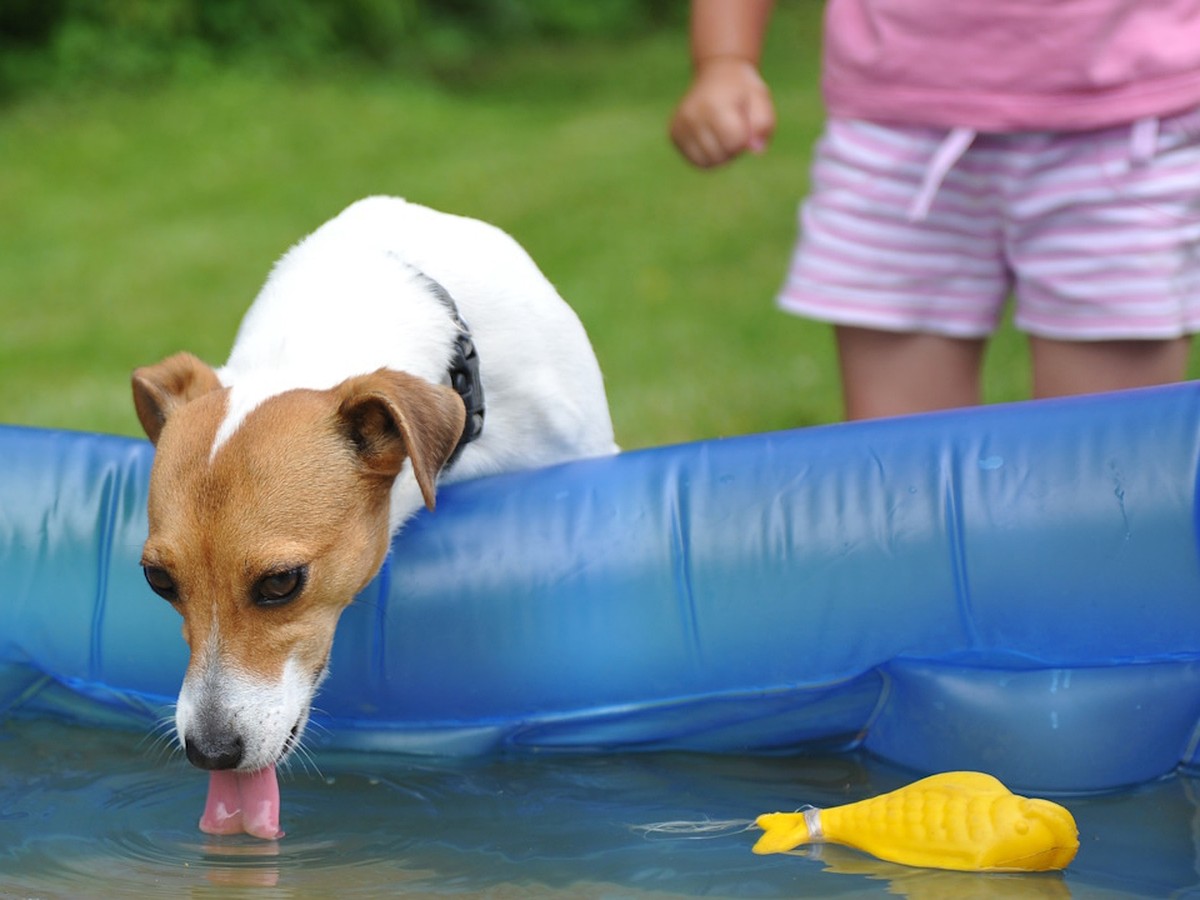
<point>92,813</point>
<point>925,884</point>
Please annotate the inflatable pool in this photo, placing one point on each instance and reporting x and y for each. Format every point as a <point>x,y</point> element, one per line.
<point>1013,588</point>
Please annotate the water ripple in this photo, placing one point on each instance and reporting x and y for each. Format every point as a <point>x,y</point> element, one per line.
<point>88,813</point>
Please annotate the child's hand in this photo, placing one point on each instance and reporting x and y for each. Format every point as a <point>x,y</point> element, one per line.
<point>727,111</point>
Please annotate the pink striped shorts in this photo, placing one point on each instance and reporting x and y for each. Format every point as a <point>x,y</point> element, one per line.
<point>1095,234</point>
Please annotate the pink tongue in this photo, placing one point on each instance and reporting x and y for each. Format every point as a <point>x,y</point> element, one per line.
<point>242,801</point>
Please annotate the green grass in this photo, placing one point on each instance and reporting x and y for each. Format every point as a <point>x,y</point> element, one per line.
<point>138,223</point>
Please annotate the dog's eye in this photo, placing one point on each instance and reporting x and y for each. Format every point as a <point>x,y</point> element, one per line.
<point>161,582</point>
<point>280,587</point>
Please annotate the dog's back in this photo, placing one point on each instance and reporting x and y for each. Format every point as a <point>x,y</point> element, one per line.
<point>349,299</point>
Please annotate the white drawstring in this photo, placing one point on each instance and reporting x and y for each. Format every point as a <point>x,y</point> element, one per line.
<point>949,152</point>
<point>1143,144</point>
<point>1143,141</point>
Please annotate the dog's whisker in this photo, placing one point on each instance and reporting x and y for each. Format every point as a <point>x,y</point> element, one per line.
<point>315,724</point>
<point>297,753</point>
<point>160,741</point>
<point>308,762</point>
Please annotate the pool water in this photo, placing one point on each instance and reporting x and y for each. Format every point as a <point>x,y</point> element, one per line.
<point>108,813</point>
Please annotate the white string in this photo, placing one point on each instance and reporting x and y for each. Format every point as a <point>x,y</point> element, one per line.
<point>706,829</point>
<point>948,153</point>
<point>692,830</point>
<point>1143,141</point>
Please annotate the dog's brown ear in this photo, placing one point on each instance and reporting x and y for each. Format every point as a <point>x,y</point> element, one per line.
<point>160,389</point>
<point>391,416</point>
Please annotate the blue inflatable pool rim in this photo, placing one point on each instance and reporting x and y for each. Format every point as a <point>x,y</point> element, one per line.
<point>1011,588</point>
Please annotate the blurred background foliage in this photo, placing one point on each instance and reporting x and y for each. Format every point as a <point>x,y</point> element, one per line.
<point>151,175</point>
<point>156,156</point>
<point>62,42</point>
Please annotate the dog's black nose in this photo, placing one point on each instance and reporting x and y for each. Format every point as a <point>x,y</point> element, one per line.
<point>219,753</point>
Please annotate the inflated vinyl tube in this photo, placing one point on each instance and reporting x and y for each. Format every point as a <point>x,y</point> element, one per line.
<point>1014,589</point>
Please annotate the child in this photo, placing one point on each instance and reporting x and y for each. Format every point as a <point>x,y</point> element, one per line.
<point>1050,150</point>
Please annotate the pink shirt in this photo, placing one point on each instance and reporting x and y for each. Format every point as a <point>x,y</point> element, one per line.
<point>1011,65</point>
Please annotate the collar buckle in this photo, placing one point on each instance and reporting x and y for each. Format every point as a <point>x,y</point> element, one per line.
<point>464,378</point>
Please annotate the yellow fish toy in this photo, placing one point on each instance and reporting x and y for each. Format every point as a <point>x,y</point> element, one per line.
<point>965,821</point>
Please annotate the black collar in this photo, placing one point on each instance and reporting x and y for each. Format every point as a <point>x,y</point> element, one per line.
<point>463,372</point>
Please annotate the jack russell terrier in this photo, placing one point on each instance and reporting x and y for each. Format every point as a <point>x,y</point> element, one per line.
<point>393,347</point>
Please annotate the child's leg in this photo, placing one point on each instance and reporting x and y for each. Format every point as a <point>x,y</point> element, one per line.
<point>912,302</point>
<point>889,373</point>
<point>1081,367</point>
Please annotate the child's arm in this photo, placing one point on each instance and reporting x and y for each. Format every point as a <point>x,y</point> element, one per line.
<point>727,110</point>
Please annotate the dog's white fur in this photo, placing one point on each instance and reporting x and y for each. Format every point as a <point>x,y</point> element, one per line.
<point>350,299</point>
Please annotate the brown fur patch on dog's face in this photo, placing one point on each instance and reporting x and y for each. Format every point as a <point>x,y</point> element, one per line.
<point>286,492</point>
<point>299,493</point>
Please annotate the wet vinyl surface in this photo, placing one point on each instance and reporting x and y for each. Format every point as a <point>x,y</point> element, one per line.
<point>88,813</point>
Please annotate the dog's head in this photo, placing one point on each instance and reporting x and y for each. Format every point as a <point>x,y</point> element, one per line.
<point>263,529</point>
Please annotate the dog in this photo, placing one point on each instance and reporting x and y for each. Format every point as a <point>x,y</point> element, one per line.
<point>394,348</point>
